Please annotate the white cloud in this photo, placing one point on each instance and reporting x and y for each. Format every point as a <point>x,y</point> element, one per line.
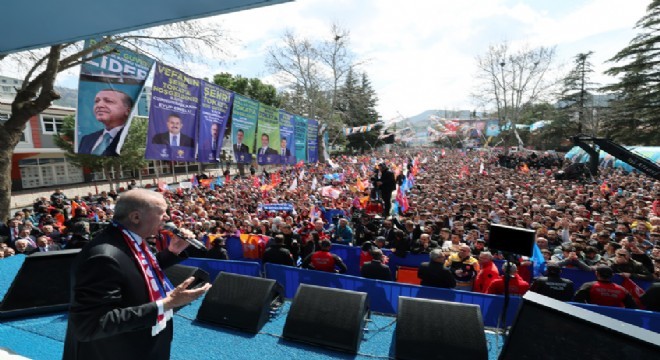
<point>421,53</point>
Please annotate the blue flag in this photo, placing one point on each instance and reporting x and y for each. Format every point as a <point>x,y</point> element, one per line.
<point>538,261</point>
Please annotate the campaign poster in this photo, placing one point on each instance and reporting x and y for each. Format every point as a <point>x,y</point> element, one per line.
<point>493,128</point>
<point>108,89</point>
<point>268,135</point>
<point>312,141</point>
<point>243,126</point>
<point>300,136</point>
<point>287,140</point>
<point>215,106</point>
<point>171,134</point>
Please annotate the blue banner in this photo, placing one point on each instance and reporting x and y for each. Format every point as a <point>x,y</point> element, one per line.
<point>243,126</point>
<point>493,128</point>
<point>108,90</point>
<point>173,115</point>
<point>312,141</point>
<point>287,140</point>
<point>276,207</point>
<point>268,135</point>
<point>213,115</point>
<point>300,136</point>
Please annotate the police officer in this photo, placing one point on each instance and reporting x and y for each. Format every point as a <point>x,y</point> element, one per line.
<point>553,285</point>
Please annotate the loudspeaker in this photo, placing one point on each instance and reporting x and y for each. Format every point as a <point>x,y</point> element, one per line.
<point>42,285</point>
<point>434,329</point>
<point>239,301</point>
<point>179,273</point>
<point>328,317</point>
<point>511,239</point>
<point>546,328</point>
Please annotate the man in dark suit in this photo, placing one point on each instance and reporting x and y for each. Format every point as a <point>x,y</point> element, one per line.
<point>173,136</point>
<point>241,152</point>
<point>284,150</point>
<point>278,253</point>
<point>121,301</point>
<point>386,184</point>
<point>265,148</point>
<point>434,273</point>
<point>111,108</point>
<point>375,269</point>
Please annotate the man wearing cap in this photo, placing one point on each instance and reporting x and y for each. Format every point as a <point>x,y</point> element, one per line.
<point>553,285</point>
<point>604,292</point>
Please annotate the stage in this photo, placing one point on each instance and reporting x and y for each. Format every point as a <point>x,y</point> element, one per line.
<point>42,337</point>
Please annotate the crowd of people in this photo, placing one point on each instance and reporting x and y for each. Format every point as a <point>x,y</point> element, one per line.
<point>422,201</point>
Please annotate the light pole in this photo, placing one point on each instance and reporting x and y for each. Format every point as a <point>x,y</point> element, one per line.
<point>502,64</point>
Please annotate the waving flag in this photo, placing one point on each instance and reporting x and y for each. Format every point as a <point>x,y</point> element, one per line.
<point>302,175</point>
<point>294,184</point>
<point>538,261</point>
<point>255,181</point>
<point>635,291</point>
<point>402,200</point>
<point>314,183</point>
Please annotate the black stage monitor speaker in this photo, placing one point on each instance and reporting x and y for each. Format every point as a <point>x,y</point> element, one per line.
<point>434,329</point>
<point>239,301</point>
<point>511,239</point>
<point>179,273</point>
<point>546,328</point>
<point>327,317</point>
<point>42,285</point>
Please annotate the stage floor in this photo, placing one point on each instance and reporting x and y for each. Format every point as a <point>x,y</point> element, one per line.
<point>42,338</point>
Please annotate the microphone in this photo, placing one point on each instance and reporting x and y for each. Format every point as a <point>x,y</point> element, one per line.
<point>192,241</point>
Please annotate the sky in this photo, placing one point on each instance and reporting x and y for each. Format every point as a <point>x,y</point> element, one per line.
<point>420,54</point>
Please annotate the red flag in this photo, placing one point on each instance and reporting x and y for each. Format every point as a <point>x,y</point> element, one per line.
<point>255,181</point>
<point>634,290</point>
<point>402,200</point>
<point>300,164</point>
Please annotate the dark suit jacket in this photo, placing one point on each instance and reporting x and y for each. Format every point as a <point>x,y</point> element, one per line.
<point>388,184</point>
<point>269,151</point>
<point>110,316</point>
<point>287,152</point>
<point>435,274</point>
<point>164,139</point>
<point>243,149</point>
<point>278,254</point>
<point>375,269</point>
<point>87,142</point>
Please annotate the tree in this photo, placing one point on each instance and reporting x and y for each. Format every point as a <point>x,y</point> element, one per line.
<point>132,153</point>
<point>253,88</point>
<point>635,116</point>
<point>510,80</point>
<point>313,72</point>
<point>577,94</point>
<point>182,40</point>
<point>356,102</point>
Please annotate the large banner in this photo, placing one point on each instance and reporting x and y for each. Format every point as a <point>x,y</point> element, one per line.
<point>312,141</point>
<point>173,115</point>
<point>287,140</point>
<point>300,135</point>
<point>268,135</point>
<point>214,113</point>
<point>243,125</point>
<point>493,128</point>
<point>109,87</point>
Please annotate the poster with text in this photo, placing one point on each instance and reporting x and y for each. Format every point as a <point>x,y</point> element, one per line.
<point>287,140</point>
<point>109,88</point>
<point>173,115</point>
<point>312,141</point>
<point>215,106</point>
<point>268,135</point>
<point>300,137</point>
<point>243,126</point>
<point>493,128</point>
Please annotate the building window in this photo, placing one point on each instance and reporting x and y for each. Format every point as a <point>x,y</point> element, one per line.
<point>51,125</point>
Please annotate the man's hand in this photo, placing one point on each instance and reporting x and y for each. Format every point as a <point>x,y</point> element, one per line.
<point>177,244</point>
<point>180,296</point>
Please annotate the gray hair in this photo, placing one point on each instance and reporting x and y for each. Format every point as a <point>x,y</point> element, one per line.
<point>436,254</point>
<point>138,199</point>
<point>512,270</point>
